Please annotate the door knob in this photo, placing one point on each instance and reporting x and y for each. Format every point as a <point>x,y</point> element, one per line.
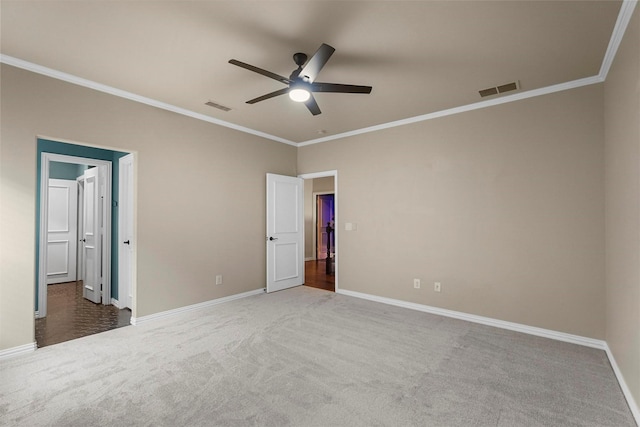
<point>273,238</point>
<point>126,242</point>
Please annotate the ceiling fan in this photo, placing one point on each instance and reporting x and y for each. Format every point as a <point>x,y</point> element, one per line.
<point>301,83</point>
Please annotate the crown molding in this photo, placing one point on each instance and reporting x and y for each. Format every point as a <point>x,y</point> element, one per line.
<point>462,109</point>
<point>624,16</point>
<point>70,78</point>
<point>626,11</point>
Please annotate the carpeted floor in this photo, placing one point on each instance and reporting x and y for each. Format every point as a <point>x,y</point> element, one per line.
<point>306,357</point>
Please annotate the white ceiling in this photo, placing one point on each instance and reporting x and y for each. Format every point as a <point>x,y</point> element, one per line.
<point>421,57</point>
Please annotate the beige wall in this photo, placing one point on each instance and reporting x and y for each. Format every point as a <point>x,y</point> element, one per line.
<point>200,192</point>
<point>323,184</point>
<point>622,154</point>
<point>504,206</point>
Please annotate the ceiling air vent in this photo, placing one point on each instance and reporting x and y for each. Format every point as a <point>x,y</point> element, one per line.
<point>499,89</point>
<point>218,106</point>
<point>489,92</point>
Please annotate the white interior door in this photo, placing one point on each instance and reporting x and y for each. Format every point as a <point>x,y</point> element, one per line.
<point>92,238</point>
<point>62,231</point>
<point>125,232</point>
<point>285,232</point>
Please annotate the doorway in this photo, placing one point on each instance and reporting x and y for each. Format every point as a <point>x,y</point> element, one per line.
<point>321,235</point>
<point>324,226</point>
<point>94,241</point>
<point>85,303</point>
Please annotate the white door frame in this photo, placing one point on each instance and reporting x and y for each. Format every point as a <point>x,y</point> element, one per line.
<point>80,254</point>
<point>334,174</point>
<point>44,202</point>
<point>314,196</point>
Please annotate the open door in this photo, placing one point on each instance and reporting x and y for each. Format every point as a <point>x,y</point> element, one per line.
<point>125,232</point>
<point>285,232</point>
<point>92,236</point>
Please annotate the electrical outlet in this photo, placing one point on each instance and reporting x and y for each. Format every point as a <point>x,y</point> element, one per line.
<point>436,286</point>
<point>219,279</point>
<point>416,283</point>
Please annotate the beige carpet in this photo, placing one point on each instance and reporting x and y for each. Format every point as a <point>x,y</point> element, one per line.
<point>306,357</point>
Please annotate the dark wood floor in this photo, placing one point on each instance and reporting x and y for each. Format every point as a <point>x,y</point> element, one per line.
<point>70,316</point>
<point>315,276</point>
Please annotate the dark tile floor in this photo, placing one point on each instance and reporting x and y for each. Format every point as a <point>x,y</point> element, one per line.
<point>70,316</point>
<point>315,275</point>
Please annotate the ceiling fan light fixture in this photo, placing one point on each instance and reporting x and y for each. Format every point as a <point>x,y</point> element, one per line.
<point>299,94</point>
<point>301,83</point>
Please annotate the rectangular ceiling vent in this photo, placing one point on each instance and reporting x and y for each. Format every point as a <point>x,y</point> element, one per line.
<point>218,106</point>
<point>499,89</point>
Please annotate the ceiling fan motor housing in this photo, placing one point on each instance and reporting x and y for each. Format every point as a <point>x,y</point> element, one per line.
<point>300,58</point>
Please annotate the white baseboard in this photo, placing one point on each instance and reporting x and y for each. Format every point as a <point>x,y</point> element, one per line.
<point>115,303</point>
<point>531,330</point>
<point>633,406</point>
<point>310,259</point>
<point>518,327</point>
<point>162,314</point>
<point>18,351</point>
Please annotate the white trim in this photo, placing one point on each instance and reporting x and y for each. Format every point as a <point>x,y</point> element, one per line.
<point>115,303</point>
<point>626,10</point>
<point>310,258</point>
<point>18,351</point>
<point>633,406</point>
<point>70,78</point>
<point>185,309</point>
<point>461,109</point>
<point>517,327</point>
<point>324,174</point>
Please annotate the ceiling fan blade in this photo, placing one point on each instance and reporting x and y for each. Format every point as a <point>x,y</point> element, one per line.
<point>312,105</point>
<point>266,73</point>
<point>269,95</point>
<point>317,61</point>
<point>339,88</point>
